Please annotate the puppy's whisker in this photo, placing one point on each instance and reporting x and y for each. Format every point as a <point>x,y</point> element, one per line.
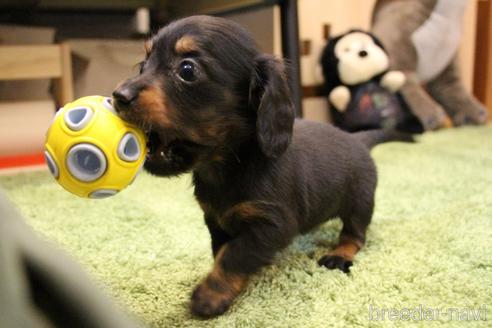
<point>234,153</point>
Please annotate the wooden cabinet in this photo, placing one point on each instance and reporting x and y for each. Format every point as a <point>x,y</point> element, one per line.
<point>482,82</point>
<point>23,123</point>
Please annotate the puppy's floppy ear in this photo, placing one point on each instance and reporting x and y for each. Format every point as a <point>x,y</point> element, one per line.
<point>270,98</point>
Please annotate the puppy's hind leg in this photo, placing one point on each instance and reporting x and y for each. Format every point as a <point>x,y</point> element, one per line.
<point>352,238</point>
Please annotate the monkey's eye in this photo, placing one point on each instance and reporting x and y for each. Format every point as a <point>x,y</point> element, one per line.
<point>187,70</point>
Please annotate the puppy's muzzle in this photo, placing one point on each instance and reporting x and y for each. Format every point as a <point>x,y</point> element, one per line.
<point>126,95</point>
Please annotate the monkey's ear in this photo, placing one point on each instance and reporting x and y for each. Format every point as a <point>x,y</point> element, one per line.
<point>329,65</point>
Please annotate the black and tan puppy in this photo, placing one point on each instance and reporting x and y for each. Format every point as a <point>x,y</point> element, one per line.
<point>212,104</point>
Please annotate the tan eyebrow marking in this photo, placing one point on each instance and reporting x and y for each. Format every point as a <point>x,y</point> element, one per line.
<point>186,44</point>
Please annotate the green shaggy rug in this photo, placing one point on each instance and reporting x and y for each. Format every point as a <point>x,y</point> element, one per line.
<point>428,256</point>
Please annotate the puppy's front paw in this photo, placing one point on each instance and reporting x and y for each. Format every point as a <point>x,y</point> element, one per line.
<point>208,301</point>
<point>335,262</point>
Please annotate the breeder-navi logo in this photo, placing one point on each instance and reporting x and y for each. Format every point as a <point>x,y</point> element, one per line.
<point>423,313</point>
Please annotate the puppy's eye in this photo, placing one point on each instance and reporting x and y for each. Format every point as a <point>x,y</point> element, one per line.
<point>187,71</point>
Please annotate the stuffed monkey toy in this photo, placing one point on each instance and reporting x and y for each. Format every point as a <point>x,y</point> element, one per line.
<point>362,91</point>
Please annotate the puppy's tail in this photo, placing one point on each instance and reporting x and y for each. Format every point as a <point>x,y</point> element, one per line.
<point>371,138</point>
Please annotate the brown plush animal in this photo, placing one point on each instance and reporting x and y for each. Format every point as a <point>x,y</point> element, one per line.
<point>422,38</point>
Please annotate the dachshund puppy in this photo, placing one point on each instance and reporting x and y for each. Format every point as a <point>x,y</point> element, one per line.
<point>212,104</point>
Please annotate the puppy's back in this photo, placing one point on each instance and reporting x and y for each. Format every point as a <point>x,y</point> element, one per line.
<point>328,144</point>
<point>334,167</point>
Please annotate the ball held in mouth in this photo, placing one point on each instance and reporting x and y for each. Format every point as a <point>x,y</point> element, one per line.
<point>91,151</point>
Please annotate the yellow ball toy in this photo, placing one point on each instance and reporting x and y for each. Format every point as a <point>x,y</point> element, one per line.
<point>91,151</point>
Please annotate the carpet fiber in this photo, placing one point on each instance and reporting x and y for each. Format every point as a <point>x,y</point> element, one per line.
<point>429,246</point>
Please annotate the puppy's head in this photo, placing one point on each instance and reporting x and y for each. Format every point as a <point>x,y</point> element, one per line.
<point>204,89</point>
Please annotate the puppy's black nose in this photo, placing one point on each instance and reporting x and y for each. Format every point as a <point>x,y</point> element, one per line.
<point>123,97</point>
<point>363,53</point>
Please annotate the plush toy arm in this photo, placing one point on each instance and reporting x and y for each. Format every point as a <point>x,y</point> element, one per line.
<point>393,80</point>
<point>340,97</point>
